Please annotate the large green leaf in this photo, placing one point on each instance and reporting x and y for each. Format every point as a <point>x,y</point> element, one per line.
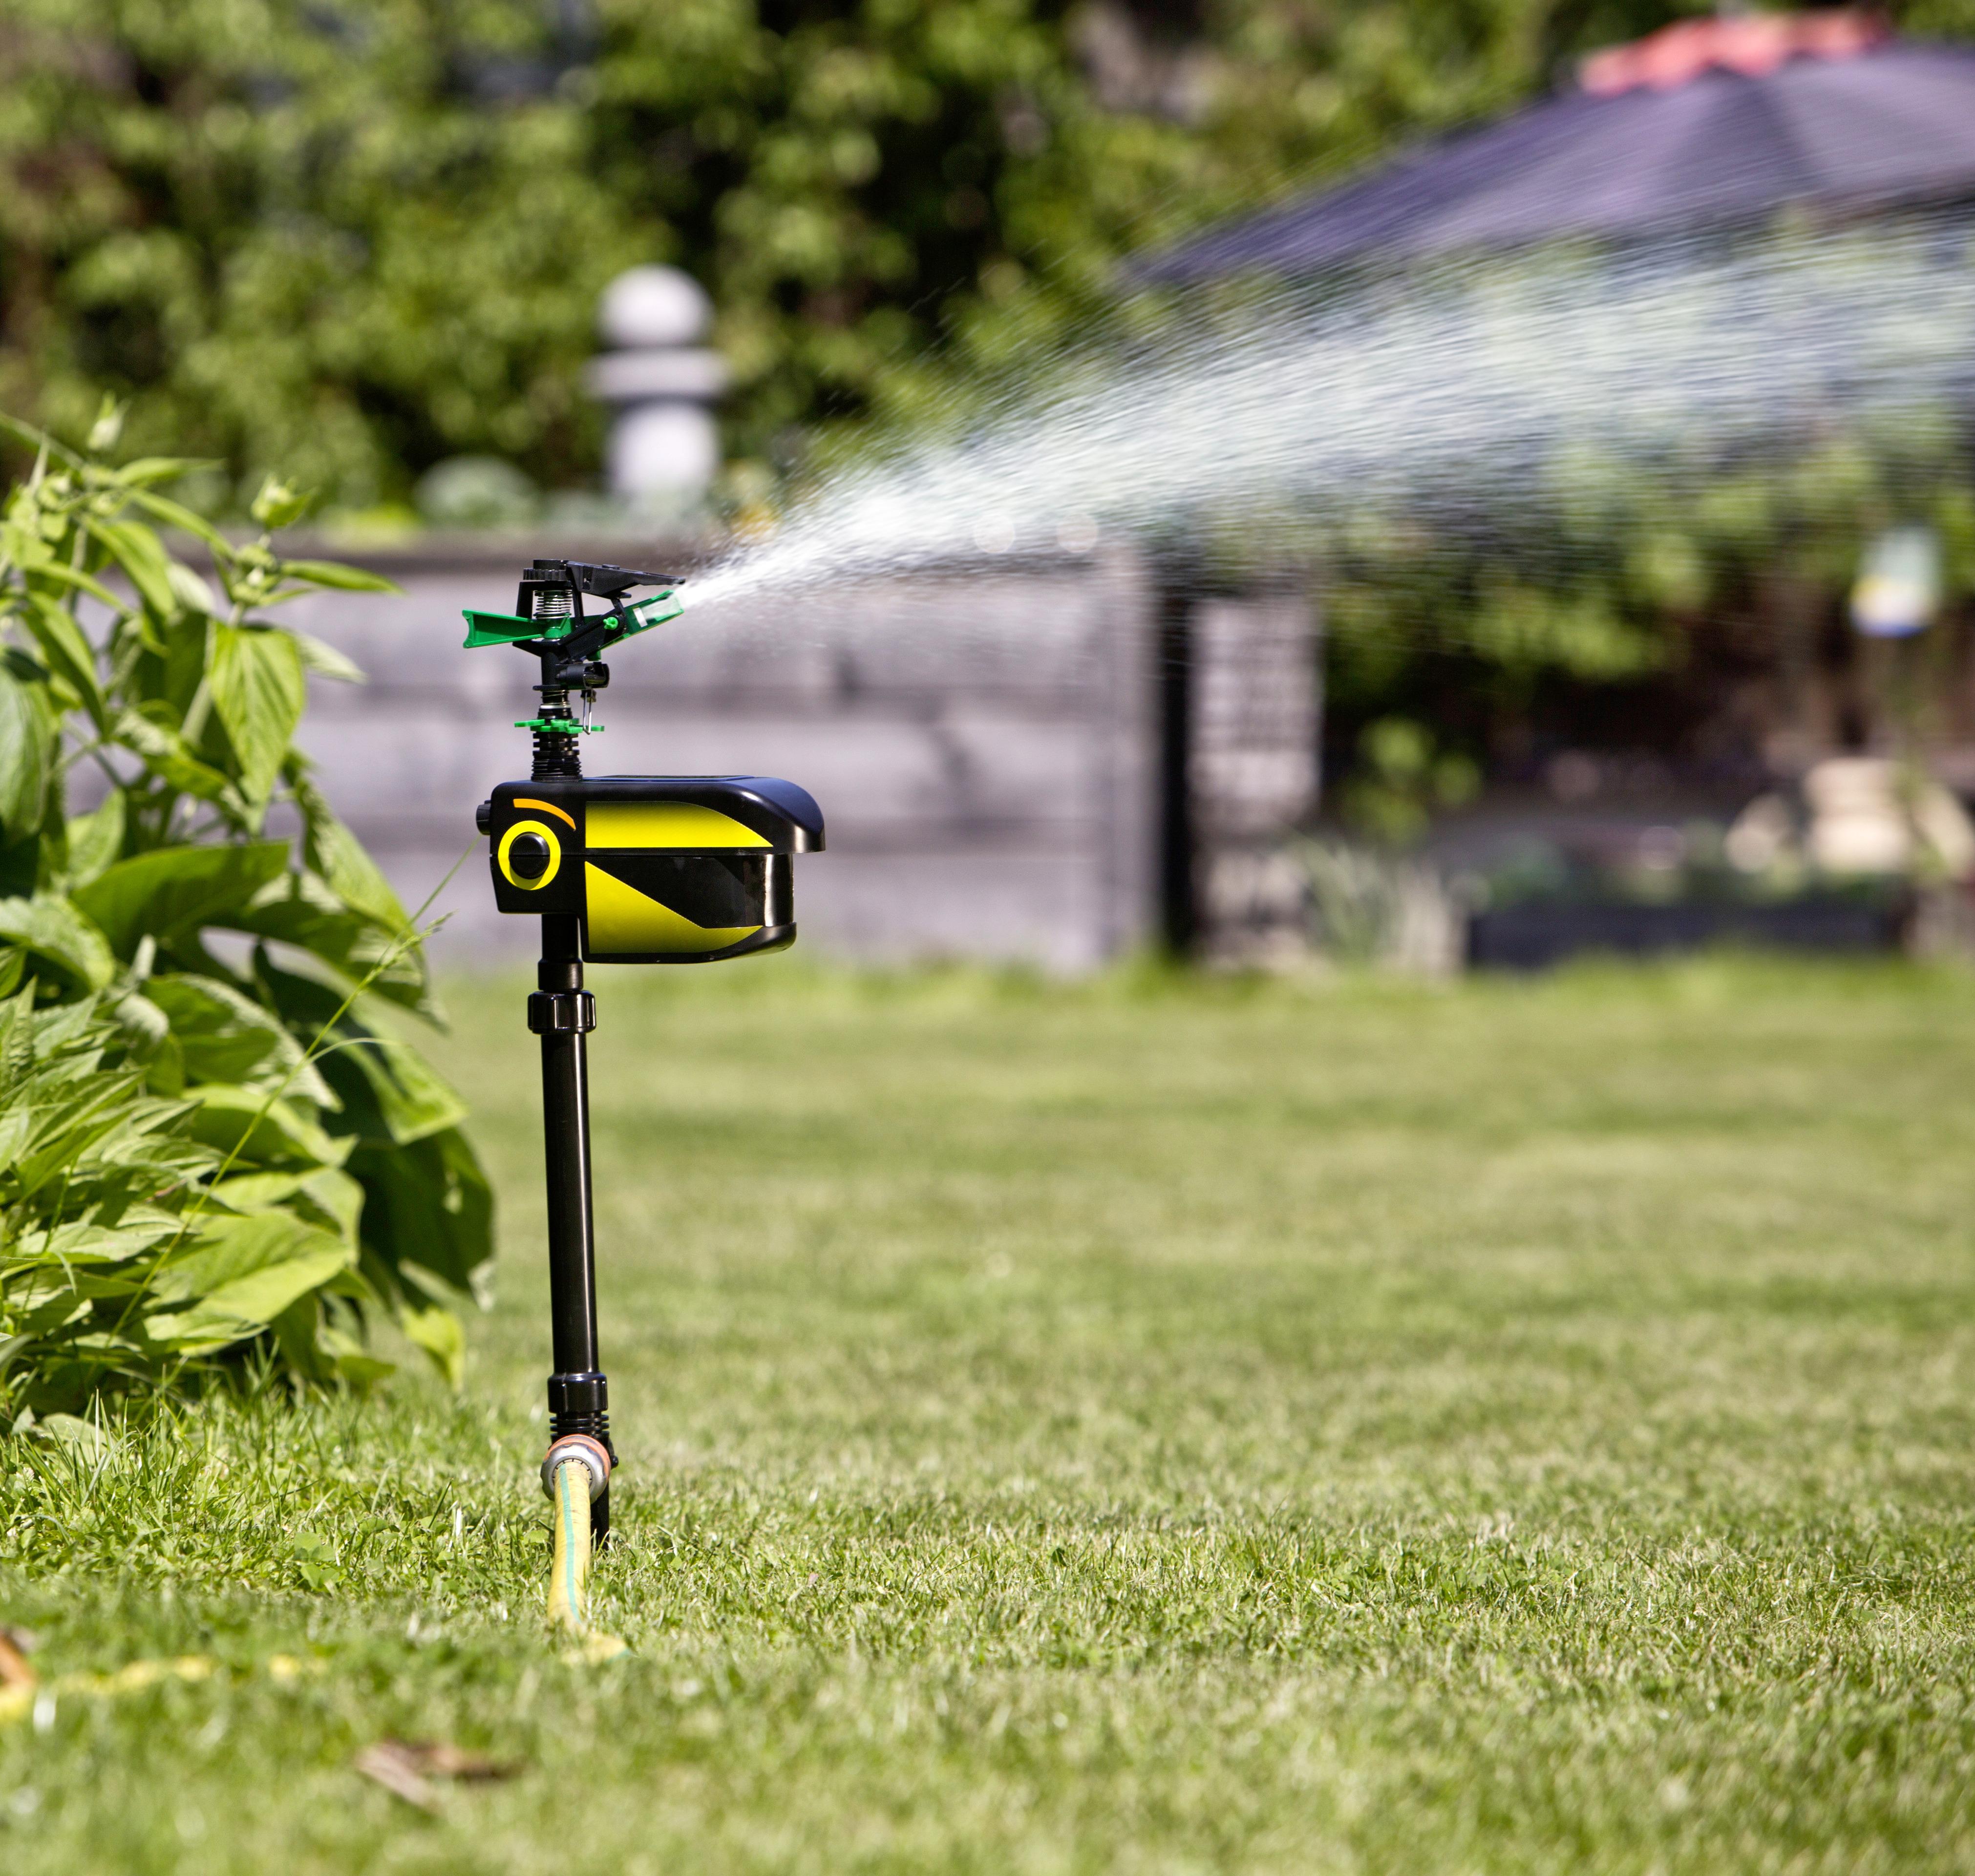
<point>299,910</point>
<point>239,1275</point>
<point>386,1089</point>
<point>259,693</point>
<point>27,733</point>
<point>224,1248</point>
<point>257,1131</point>
<point>175,890</point>
<point>245,1307</point>
<point>335,853</point>
<point>387,1092</point>
<point>223,1036</point>
<point>141,557</point>
<point>333,1199</point>
<point>52,930</point>
<point>429,1205</point>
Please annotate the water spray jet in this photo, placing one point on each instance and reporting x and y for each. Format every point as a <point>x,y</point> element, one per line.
<point>1449,399</point>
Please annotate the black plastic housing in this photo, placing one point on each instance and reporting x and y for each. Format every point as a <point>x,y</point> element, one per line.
<point>657,869</point>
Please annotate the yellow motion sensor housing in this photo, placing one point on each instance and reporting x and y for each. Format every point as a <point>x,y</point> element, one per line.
<point>660,869</point>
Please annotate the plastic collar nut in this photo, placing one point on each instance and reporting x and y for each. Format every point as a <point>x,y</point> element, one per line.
<point>561,1012</point>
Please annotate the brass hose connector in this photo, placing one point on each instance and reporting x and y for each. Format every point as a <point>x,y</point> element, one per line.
<point>592,1454</point>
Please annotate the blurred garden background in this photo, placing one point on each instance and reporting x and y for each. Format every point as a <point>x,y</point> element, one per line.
<point>1164,1337</point>
<point>365,246</point>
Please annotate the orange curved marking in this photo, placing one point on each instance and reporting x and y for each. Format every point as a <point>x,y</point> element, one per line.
<point>548,807</point>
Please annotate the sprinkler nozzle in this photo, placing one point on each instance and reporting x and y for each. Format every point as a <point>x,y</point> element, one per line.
<point>579,1449</point>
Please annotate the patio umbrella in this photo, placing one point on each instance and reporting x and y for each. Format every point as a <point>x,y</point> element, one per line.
<point>1709,123</point>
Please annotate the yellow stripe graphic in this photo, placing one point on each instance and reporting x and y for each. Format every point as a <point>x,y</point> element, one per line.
<point>665,824</point>
<point>622,919</point>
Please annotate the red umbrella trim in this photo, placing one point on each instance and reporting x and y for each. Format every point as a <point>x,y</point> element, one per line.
<point>1753,45</point>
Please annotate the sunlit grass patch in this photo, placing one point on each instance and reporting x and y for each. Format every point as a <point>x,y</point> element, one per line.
<point>1138,1425</point>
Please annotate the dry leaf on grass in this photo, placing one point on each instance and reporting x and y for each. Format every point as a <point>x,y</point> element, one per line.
<point>17,1680</point>
<point>16,1644</point>
<point>406,1767</point>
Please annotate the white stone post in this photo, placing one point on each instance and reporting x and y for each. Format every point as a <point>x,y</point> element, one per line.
<point>665,446</point>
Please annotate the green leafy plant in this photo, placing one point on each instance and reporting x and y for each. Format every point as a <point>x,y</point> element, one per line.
<point>128,1258</point>
<point>165,696</point>
<point>1401,779</point>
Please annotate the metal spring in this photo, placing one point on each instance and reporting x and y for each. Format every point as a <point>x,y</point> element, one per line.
<point>557,756</point>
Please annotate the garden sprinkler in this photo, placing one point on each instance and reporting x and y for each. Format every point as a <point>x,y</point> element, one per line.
<point>620,869</point>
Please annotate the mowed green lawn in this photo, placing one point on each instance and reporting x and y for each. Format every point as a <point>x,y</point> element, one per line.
<point>1138,1426</point>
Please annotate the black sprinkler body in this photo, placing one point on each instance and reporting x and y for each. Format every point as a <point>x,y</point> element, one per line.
<point>620,869</point>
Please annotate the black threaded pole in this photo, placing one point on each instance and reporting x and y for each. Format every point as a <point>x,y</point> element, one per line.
<point>565,1137</point>
<point>563,1012</point>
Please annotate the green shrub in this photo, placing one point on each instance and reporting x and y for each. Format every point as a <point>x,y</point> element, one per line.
<point>124,1262</point>
<point>246,1155</point>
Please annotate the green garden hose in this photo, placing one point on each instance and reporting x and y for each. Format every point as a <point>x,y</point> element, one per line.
<point>569,1579</point>
<point>574,1475</point>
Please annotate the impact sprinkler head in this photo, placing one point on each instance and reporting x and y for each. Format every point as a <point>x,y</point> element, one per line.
<point>549,624</point>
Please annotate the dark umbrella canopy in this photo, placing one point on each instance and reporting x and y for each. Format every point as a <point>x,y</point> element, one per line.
<point>1682,130</point>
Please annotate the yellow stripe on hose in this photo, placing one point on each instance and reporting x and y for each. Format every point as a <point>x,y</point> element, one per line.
<point>569,1572</point>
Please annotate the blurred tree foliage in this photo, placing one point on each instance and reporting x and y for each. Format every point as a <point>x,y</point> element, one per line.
<point>1644,603</point>
<point>351,239</point>
<point>354,237</point>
